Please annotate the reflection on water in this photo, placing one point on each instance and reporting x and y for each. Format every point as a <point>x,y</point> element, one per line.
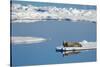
<point>67,53</point>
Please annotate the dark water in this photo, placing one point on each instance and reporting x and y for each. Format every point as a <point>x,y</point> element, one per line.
<point>56,32</point>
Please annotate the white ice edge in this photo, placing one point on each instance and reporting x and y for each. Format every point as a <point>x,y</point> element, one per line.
<point>32,13</point>
<point>26,40</point>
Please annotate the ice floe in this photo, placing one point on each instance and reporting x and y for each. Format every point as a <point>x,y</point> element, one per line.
<point>30,13</point>
<point>85,43</point>
<point>26,40</point>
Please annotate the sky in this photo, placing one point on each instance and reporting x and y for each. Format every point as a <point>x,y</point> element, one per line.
<point>84,2</point>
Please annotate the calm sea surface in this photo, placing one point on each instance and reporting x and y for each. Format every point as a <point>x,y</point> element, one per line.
<point>55,32</point>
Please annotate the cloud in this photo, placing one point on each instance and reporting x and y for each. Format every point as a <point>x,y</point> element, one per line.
<point>26,40</point>
<point>30,13</point>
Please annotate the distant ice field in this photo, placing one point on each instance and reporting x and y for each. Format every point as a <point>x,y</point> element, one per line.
<point>38,11</point>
